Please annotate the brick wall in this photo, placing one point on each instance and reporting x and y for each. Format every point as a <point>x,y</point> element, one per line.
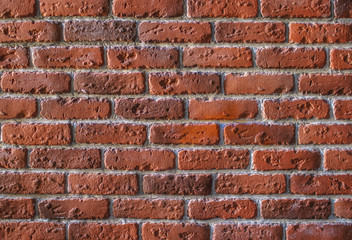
<point>172,119</point>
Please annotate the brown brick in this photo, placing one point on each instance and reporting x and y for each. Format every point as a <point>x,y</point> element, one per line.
<point>142,57</point>
<point>32,183</point>
<point>343,109</point>
<point>250,184</point>
<point>148,208</point>
<point>343,208</point>
<point>74,208</point>
<point>68,57</point>
<point>321,184</point>
<point>267,160</point>
<point>222,208</point>
<point>260,84</point>
<point>109,83</point>
<point>341,59</point>
<point>317,231</point>
<point>103,184</point>
<point>171,184</point>
<point>144,9</point>
<point>325,84</point>
<point>259,134</point>
<point>13,57</point>
<point>217,57</point>
<point>338,159</point>
<point>343,8</point>
<point>325,134</point>
<point>17,8</point>
<point>253,32</point>
<point>222,109</point>
<point>17,208</point>
<point>175,32</point>
<point>140,159</point>
<point>196,134</point>
<point>296,109</point>
<point>148,108</point>
<point>13,157</point>
<point>65,158</point>
<point>11,108</point>
<point>35,82</point>
<point>90,231</point>
<point>183,83</point>
<point>75,108</point>
<point>111,133</point>
<point>111,30</point>
<point>213,159</point>
<point>36,134</point>
<point>74,8</point>
<point>222,8</point>
<point>156,231</point>
<point>291,58</point>
<point>295,208</point>
<point>247,231</point>
<point>296,8</point>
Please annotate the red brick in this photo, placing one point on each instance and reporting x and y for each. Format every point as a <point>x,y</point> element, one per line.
<point>343,109</point>
<point>343,8</point>
<point>142,57</point>
<point>36,134</point>
<point>296,8</point>
<point>338,159</point>
<point>112,30</point>
<point>320,33</point>
<point>183,83</point>
<point>247,231</point>
<point>74,208</point>
<point>17,208</point>
<point>111,133</point>
<point>148,208</point>
<point>156,231</point>
<point>140,159</point>
<point>65,158</point>
<point>91,231</point>
<point>144,8</point>
<point>109,83</point>
<point>103,184</point>
<point>148,108</point>
<point>17,8</point>
<point>32,183</point>
<point>68,57</point>
<point>266,160</point>
<point>325,84</point>
<point>260,84</point>
<point>171,184</point>
<point>11,108</point>
<point>325,134</point>
<point>217,57</point>
<point>296,109</point>
<point>259,134</point>
<point>321,184</point>
<point>13,57</point>
<point>197,134</point>
<point>341,59</point>
<point>222,8</point>
<point>291,58</point>
<point>295,208</point>
<point>318,231</point>
<point>74,7</point>
<point>250,184</point>
<point>253,32</point>
<point>32,230</point>
<point>222,109</point>
<point>35,82</point>
<point>213,159</point>
<point>175,32</point>
<point>343,208</point>
<point>222,208</point>
<point>13,157</point>
<point>75,108</point>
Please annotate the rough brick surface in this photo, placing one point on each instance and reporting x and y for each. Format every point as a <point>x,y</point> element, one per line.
<point>17,8</point>
<point>319,231</point>
<point>16,208</point>
<point>325,134</point>
<point>338,159</point>
<point>13,157</point>
<point>247,231</point>
<point>155,231</point>
<point>343,208</point>
<point>13,57</point>
<point>343,8</point>
<point>11,108</point>
<point>340,59</point>
<point>74,8</point>
<point>326,84</point>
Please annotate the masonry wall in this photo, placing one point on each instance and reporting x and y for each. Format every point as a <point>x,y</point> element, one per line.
<point>172,119</point>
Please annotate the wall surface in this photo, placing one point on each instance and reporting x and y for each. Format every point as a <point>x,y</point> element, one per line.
<point>172,119</point>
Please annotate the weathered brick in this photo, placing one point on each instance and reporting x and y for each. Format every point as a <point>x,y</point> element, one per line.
<point>325,84</point>
<point>338,159</point>
<point>247,231</point>
<point>17,208</point>
<point>343,208</point>
<point>74,8</point>
<point>343,109</point>
<point>325,134</point>
<point>17,8</point>
<point>341,59</point>
<point>13,157</point>
<point>13,57</point>
<point>11,108</point>
<point>343,8</point>
<point>317,231</point>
